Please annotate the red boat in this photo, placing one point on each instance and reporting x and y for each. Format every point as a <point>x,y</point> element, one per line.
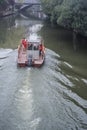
<point>31,54</point>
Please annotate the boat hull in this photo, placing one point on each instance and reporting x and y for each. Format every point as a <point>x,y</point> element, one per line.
<point>38,63</point>
<point>21,64</point>
<point>35,63</point>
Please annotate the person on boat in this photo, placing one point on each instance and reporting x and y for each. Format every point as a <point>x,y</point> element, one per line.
<point>43,47</point>
<point>30,46</point>
<point>24,43</point>
<point>40,48</point>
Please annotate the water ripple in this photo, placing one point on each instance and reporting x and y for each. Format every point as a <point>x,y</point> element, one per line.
<point>46,98</point>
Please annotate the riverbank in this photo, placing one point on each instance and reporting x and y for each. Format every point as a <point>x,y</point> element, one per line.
<point>64,13</point>
<point>8,13</point>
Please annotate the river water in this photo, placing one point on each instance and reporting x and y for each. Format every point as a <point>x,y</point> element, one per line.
<point>53,97</point>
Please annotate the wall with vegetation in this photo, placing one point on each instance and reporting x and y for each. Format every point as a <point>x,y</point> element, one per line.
<point>71,14</point>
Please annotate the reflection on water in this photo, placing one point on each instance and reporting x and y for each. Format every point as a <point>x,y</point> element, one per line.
<point>48,98</point>
<point>12,32</point>
<point>9,35</point>
<point>5,25</point>
<point>61,41</point>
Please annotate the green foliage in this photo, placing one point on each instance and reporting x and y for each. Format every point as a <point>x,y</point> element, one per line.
<point>68,13</point>
<point>48,6</point>
<point>5,3</point>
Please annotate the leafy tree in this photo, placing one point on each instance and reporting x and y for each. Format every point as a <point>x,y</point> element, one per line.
<point>11,2</point>
<point>73,15</point>
<point>68,13</point>
<point>5,3</point>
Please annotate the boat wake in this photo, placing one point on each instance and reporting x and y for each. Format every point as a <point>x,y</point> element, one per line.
<point>4,53</point>
<point>43,98</point>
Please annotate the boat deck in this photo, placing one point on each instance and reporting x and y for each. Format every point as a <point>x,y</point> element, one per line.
<point>26,56</point>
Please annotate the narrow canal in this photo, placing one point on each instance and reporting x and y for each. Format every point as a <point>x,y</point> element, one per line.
<point>53,97</point>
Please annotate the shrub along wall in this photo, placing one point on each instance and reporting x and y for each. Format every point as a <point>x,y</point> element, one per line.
<point>70,14</point>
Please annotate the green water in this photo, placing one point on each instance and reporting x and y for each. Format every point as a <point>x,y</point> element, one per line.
<point>53,97</point>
